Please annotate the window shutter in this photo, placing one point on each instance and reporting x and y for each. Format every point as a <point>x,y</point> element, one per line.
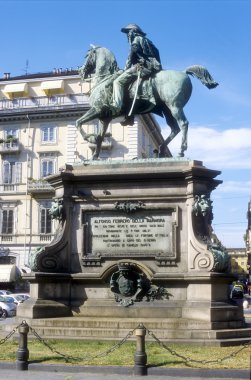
<point>7,221</point>
<point>17,177</point>
<point>6,172</point>
<point>45,221</point>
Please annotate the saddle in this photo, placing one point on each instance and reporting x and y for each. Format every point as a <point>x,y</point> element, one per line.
<point>145,99</point>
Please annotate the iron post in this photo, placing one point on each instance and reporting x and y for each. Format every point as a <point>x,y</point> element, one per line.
<point>22,354</point>
<point>140,357</point>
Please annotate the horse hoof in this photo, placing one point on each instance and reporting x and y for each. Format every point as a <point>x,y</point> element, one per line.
<point>180,154</point>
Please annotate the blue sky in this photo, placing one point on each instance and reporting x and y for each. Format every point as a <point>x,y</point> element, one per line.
<point>213,33</point>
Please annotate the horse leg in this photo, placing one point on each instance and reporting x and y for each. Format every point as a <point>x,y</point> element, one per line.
<point>100,138</point>
<point>88,116</point>
<point>182,121</point>
<point>172,123</point>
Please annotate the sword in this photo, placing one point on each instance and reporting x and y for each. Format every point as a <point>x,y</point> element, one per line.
<point>136,93</point>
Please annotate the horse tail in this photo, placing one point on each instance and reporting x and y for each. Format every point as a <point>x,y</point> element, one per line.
<point>202,74</point>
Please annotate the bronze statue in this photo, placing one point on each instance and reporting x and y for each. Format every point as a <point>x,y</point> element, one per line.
<point>164,93</point>
<point>143,61</point>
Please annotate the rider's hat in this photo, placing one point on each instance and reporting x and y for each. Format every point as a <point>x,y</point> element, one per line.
<point>133,27</point>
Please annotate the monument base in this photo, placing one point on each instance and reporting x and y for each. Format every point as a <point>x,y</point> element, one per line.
<point>134,245</point>
<point>73,308</point>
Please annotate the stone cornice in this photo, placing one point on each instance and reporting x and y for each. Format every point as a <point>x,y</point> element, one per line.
<point>45,113</point>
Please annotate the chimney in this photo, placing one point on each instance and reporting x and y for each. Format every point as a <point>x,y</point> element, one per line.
<point>6,76</point>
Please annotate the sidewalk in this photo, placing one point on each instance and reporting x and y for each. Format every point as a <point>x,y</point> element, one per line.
<point>62,372</point>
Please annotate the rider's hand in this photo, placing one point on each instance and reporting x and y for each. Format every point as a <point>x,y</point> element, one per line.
<point>140,63</point>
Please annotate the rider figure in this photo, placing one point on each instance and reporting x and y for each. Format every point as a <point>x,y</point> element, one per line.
<point>143,57</point>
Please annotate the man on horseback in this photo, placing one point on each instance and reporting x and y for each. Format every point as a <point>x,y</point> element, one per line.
<point>143,61</point>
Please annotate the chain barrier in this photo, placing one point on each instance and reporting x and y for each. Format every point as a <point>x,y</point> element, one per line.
<point>187,359</point>
<point>8,336</point>
<point>69,358</point>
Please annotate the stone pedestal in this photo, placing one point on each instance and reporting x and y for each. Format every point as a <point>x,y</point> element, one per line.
<point>134,242</point>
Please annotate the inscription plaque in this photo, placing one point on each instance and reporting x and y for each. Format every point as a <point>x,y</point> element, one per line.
<point>147,233</point>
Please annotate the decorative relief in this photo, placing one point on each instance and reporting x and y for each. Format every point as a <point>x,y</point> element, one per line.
<point>33,261</point>
<point>48,258</point>
<point>206,254</point>
<point>202,217</point>
<point>52,257</point>
<point>129,206</point>
<point>130,286</point>
<point>57,210</point>
<point>221,258</point>
<point>203,260</point>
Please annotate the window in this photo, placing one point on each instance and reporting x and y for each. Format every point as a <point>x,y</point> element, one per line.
<point>7,226</point>
<point>11,132</point>
<point>7,218</point>
<point>45,218</point>
<point>47,164</point>
<point>48,134</point>
<point>47,167</point>
<point>11,172</point>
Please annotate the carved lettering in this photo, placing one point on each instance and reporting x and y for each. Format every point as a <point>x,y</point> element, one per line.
<point>137,233</point>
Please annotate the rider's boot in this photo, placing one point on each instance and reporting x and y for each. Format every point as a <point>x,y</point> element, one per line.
<point>128,120</point>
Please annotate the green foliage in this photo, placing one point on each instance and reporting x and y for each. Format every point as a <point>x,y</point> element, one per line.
<point>11,138</point>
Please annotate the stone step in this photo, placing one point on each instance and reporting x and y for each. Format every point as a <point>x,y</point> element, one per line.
<point>201,339</point>
<point>118,323</point>
<point>101,333</point>
<point>131,323</point>
<point>168,329</point>
<point>102,329</point>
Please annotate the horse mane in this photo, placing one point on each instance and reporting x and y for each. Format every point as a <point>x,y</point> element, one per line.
<point>106,62</point>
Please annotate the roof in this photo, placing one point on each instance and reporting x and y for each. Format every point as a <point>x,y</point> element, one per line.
<point>54,73</point>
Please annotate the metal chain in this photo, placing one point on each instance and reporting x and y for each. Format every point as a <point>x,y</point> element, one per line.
<point>120,343</point>
<point>186,359</point>
<point>8,336</point>
<point>73,358</point>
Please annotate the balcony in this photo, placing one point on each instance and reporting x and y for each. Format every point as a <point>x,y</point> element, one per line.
<point>39,186</point>
<point>43,102</point>
<point>7,147</point>
<point>7,238</point>
<point>46,237</point>
<point>8,187</point>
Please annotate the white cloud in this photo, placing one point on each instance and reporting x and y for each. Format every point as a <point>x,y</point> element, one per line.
<point>230,148</point>
<point>230,152</point>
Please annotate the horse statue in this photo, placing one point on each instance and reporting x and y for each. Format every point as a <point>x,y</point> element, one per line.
<point>170,90</point>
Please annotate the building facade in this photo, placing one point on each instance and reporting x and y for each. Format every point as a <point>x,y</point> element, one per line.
<point>239,262</point>
<point>38,137</point>
<point>248,239</point>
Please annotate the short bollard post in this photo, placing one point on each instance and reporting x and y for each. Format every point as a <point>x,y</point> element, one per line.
<point>22,354</point>
<point>140,357</point>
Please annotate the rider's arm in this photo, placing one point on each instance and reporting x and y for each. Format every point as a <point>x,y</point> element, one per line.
<point>136,53</point>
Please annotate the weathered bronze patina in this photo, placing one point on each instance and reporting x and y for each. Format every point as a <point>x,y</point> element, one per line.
<point>141,88</point>
<point>130,285</point>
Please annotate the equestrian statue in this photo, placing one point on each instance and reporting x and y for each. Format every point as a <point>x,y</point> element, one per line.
<point>140,88</point>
